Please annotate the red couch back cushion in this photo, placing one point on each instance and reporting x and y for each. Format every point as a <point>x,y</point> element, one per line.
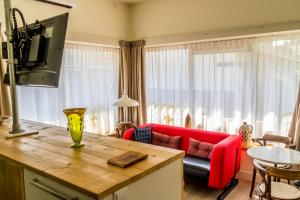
<point>166,140</point>
<point>200,149</point>
<point>186,133</point>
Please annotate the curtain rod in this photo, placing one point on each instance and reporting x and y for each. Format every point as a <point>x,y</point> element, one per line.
<point>92,44</point>
<point>251,36</point>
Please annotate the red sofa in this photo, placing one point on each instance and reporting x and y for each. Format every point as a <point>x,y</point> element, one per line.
<point>226,155</point>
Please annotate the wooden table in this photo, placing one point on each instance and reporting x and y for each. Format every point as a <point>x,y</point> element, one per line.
<point>275,155</point>
<point>86,170</point>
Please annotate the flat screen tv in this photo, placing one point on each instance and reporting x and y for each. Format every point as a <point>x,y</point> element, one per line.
<point>38,51</point>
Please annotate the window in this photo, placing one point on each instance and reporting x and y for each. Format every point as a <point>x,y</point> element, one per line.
<point>88,79</point>
<point>221,84</point>
<point>166,85</point>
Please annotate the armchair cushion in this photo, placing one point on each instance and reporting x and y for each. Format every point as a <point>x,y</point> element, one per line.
<point>200,149</point>
<point>143,135</point>
<point>166,140</point>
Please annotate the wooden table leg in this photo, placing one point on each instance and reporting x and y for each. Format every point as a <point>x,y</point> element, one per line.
<point>253,182</point>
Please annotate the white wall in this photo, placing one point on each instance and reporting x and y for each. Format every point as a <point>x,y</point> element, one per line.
<point>90,21</point>
<point>167,19</point>
<point>163,21</point>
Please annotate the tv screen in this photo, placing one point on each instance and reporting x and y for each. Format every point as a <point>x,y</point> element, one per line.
<point>39,52</point>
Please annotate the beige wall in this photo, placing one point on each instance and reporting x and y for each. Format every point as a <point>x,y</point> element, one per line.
<point>164,21</point>
<point>90,20</point>
<point>168,19</point>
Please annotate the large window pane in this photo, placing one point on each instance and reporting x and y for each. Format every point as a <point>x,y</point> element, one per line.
<point>223,83</point>
<point>88,79</point>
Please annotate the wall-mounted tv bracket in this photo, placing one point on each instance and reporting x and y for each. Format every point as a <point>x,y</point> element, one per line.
<point>16,130</point>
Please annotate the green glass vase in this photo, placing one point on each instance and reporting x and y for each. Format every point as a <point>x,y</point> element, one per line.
<point>75,125</point>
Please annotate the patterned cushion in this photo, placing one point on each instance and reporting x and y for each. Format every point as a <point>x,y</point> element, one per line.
<point>166,140</point>
<point>143,135</point>
<point>200,149</point>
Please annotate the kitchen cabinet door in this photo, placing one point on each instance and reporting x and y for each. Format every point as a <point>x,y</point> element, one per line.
<point>11,181</point>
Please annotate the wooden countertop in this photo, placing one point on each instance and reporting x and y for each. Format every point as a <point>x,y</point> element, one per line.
<point>86,169</point>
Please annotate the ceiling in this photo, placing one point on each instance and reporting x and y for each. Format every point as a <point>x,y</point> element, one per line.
<point>132,1</point>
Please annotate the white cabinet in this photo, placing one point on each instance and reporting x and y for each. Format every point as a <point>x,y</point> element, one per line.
<point>119,195</point>
<point>38,187</point>
<point>162,184</point>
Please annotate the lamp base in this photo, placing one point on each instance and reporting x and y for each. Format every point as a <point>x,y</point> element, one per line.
<point>20,134</point>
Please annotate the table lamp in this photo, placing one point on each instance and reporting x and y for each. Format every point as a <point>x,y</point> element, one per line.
<point>126,102</point>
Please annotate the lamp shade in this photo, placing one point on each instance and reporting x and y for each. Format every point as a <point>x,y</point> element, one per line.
<point>125,101</point>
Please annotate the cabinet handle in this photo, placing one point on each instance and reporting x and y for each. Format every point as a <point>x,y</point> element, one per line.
<point>36,182</point>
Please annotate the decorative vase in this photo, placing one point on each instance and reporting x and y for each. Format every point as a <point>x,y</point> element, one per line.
<point>75,125</point>
<point>245,131</point>
<point>188,121</point>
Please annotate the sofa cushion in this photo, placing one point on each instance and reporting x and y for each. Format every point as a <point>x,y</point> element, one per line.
<point>200,149</point>
<point>143,135</point>
<point>196,167</point>
<point>166,140</point>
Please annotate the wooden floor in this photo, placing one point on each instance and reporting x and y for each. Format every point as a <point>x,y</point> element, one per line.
<point>194,191</point>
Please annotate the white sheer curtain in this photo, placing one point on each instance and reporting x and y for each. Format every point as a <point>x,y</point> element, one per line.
<point>88,79</point>
<point>223,83</point>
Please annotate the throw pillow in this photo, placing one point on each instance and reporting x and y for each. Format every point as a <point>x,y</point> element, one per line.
<point>143,135</point>
<point>166,140</point>
<point>200,149</point>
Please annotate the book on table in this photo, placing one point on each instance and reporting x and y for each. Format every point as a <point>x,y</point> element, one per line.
<point>127,159</point>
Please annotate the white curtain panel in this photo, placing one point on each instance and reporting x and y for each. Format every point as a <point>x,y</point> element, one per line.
<point>88,79</point>
<point>224,83</point>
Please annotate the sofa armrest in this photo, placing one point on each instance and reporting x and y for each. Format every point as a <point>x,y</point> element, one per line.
<point>128,134</point>
<point>225,161</point>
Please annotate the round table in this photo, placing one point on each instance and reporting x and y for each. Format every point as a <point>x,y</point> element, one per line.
<point>276,155</point>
